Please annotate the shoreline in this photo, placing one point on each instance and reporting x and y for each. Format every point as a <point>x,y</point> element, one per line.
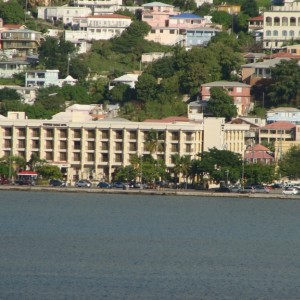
<point>162,192</point>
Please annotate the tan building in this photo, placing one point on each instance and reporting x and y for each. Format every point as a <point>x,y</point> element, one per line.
<point>98,148</point>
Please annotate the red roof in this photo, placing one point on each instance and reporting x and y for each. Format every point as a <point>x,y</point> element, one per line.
<point>109,16</point>
<point>279,125</point>
<point>169,120</point>
<point>260,155</point>
<point>27,173</point>
<point>258,18</point>
<point>257,147</point>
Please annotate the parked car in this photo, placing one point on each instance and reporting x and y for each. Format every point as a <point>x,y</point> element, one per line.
<point>104,185</point>
<point>4,181</point>
<point>118,185</point>
<point>290,191</point>
<point>57,182</point>
<point>24,182</point>
<point>248,189</point>
<point>83,183</point>
<point>261,189</point>
<point>223,189</point>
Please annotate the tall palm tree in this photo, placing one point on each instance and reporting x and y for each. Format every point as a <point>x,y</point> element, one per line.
<point>154,141</point>
<point>182,166</point>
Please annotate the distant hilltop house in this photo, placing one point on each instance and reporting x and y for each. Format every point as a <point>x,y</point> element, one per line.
<point>281,24</point>
<point>239,92</point>
<point>129,79</point>
<point>97,27</point>
<point>46,78</point>
<point>153,56</point>
<point>258,154</point>
<point>229,8</point>
<point>289,114</point>
<point>170,27</point>
<point>27,94</point>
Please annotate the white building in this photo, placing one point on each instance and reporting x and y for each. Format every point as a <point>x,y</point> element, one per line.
<point>281,24</point>
<point>98,27</point>
<point>129,79</point>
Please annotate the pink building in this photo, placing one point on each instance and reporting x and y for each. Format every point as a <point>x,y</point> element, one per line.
<point>258,154</point>
<point>239,92</point>
<point>157,14</point>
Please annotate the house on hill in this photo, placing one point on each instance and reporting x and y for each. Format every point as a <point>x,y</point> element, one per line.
<point>258,154</point>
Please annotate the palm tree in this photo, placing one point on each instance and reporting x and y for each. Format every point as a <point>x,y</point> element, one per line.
<point>154,141</point>
<point>182,166</point>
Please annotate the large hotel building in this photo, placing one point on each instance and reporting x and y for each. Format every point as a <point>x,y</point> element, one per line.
<point>94,149</point>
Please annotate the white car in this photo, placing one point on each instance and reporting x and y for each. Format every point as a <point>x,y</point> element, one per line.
<point>290,191</point>
<point>83,183</point>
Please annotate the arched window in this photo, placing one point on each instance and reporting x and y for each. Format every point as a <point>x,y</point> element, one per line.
<point>268,33</point>
<point>276,21</point>
<point>285,21</point>
<point>292,21</point>
<point>284,33</point>
<point>291,33</point>
<point>269,21</point>
<point>275,33</point>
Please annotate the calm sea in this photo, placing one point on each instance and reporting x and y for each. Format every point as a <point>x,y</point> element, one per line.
<point>97,246</point>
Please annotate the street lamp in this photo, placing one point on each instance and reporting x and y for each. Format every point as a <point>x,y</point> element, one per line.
<point>227,173</point>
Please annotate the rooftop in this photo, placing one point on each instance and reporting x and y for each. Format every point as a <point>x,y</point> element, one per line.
<point>225,83</point>
<point>279,125</point>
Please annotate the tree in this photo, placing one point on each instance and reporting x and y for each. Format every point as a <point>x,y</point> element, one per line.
<point>185,5</point>
<point>9,94</point>
<point>250,8</point>
<point>126,174</point>
<point>182,166</point>
<point>154,141</point>
<point>146,88</point>
<point>12,12</point>
<point>223,18</point>
<point>285,86</point>
<point>221,104</point>
<point>49,171</point>
<point>203,10</point>
<point>121,93</point>
<point>35,161</point>
<point>55,54</point>
<point>290,163</point>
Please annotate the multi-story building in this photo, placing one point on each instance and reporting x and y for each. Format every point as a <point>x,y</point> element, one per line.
<point>255,23</point>
<point>199,36</point>
<point>97,27</point>
<point>41,78</point>
<point>288,114</point>
<point>277,131</point>
<point>239,92</point>
<point>281,24</point>
<point>98,148</point>
<point>157,14</point>
<point>24,41</point>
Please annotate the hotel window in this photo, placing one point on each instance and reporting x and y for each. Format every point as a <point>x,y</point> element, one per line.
<point>49,144</point>
<point>76,156</point>
<point>275,33</point>
<point>118,157</point>
<point>7,144</point>
<point>175,136</point>
<point>105,134</point>
<point>7,132</point>
<point>188,136</point>
<point>174,148</point>
<point>91,134</point>
<point>292,21</point>
<point>63,145</point>
<point>152,30</point>
<point>104,146</point>
<point>172,31</point>
<point>77,133</point>
<point>132,147</point>
<point>104,157</point>
<point>269,21</point>
<point>91,145</point>
<point>63,133</point>
<point>90,157</point>
<point>35,144</point>
<point>284,21</point>
<point>119,134</point>
<point>49,156</point>
<point>63,156</point>
<point>284,33</point>
<point>21,144</point>
<point>132,135</point>
<point>49,133</point>
<point>276,21</point>
<point>188,148</point>
<point>77,145</point>
<point>22,132</point>
<point>119,146</point>
<point>291,33</point>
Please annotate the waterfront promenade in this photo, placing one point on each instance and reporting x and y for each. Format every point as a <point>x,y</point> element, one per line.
<point>276,194</point>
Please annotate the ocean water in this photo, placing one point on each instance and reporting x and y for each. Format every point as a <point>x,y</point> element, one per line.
<point>98,246</point>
